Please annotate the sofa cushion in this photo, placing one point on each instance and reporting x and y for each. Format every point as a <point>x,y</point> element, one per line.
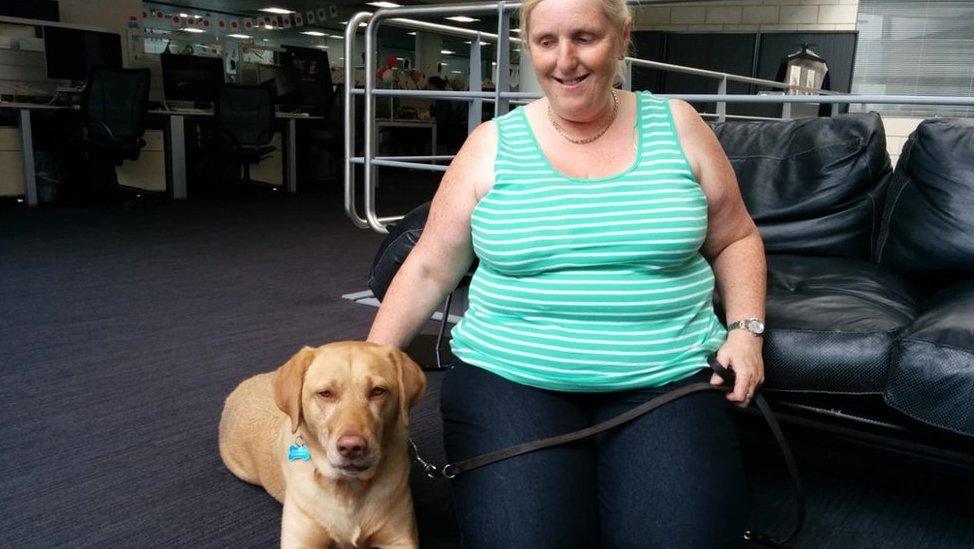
<point>395,248</point>
<point>403,236</point>
<point>811,184</point>
<point>931,374</point>
<point>927,228</point>
<point>831,323</point>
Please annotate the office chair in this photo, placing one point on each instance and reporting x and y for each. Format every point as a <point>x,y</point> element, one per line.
<point>245,124</point>
<point>113,114</point>
<point>328,135</point>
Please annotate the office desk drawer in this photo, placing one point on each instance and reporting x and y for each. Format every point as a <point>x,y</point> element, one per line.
<point>11,163</point>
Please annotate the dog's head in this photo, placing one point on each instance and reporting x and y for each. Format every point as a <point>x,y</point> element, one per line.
<point>350,397</point>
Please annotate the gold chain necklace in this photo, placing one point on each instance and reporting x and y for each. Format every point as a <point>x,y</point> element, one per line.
<point>585,140</point>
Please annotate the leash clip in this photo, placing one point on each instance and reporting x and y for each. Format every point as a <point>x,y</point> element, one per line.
<point>449,471</point>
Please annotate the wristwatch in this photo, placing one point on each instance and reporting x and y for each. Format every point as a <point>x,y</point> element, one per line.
<point>754,325</point>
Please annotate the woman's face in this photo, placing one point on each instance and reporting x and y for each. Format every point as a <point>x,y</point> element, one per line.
<point>574,50</point>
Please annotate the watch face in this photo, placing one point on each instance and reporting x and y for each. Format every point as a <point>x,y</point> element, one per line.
<point>756,327</point>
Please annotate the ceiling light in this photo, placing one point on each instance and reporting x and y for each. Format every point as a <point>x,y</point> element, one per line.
<point>412,33</point>
<point>456,72</point>
<point>184,15</point>
<point>462,19</point>
<point>383,4</point>
<point>483,44</point>
<point>241,36</point>
<point>322,47</point>
<point>279,11</point>
<point>515,30</point>
<point>314,33</point>
<point>269,27</point>
<point>447,52</point>
<point>192,30</point>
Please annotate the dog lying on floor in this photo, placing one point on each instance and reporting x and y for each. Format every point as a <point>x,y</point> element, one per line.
<point>326,435</point>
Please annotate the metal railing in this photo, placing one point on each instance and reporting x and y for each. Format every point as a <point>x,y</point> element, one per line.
<point>475,96</point>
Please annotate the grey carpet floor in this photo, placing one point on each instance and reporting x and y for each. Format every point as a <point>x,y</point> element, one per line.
<point>121,332</point>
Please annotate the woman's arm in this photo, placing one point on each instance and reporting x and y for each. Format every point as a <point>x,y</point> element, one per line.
<point>733,247</point>
<point>443,254</point>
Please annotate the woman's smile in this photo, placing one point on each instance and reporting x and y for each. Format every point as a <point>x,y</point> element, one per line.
<point>571,83</point>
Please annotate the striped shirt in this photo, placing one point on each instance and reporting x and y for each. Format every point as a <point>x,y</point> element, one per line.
<point>591,285</point>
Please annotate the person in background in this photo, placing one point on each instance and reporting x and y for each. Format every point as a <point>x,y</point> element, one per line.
<point>602,220</point>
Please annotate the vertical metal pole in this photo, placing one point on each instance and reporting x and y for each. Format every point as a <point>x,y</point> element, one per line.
<point>440,333</point>
<point>433,141</point>
<point>369,142</point>
<point>722,90</point>
<point>27,150</point>
<point>177,157</point>
<point>292,181</point>
<point>628,76</point>
<point>474,84</point>
<point>787,111</point>
<point>834,109</point>
<point>502,81</point>
<point>349,119</point>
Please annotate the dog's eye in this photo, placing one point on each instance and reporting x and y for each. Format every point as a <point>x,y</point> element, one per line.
<point>326,394</point>
<point>377,392</point>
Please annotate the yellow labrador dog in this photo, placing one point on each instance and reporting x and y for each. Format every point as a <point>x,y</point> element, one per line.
<point>326,435</point>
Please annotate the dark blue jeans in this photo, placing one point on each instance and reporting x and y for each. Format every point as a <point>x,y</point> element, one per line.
<point>671,478</point>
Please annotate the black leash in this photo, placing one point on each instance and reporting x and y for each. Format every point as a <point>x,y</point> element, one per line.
<point>452,470</point>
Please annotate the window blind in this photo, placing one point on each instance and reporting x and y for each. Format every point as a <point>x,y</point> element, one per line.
<point>915,47</point>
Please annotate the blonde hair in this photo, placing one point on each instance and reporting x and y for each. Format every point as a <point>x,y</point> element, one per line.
<point>617,13</point>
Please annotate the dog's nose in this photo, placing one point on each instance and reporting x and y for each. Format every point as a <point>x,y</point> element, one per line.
<point>352,446</point>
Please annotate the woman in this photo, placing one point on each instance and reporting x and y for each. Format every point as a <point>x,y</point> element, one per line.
<point>602,220</point>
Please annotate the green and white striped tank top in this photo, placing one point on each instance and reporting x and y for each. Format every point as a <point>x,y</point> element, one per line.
<point>591,284</point>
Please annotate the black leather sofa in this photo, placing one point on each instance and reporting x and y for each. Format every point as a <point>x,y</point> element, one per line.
<point>870,272</point>
<point>870,280</point>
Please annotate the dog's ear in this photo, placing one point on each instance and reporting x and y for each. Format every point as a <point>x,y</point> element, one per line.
<point>288,385</point>
<point>411,381</point>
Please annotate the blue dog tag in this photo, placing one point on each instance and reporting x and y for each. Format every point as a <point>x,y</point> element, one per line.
<point>298,451</point>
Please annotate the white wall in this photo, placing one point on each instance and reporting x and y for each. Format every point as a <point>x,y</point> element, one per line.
<point>113,15</point>
<point>759,15</point>
<point>750,15</point>
<point>897,130</point>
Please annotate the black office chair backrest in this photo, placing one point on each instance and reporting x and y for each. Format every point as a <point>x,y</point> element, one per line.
<point>115,102</point>
<point>245,114</point>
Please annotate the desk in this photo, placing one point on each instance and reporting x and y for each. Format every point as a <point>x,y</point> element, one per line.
<point>176,145</point>
<point>405,123</point>
<point>27,142</point>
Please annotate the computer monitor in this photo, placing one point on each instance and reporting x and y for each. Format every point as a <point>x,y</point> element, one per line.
<point>286,82</point>
<point>191,78</point>
<point>71,53</point>
<point>316,75</point>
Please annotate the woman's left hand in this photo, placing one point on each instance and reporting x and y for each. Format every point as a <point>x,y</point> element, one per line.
<point>742,353</point>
